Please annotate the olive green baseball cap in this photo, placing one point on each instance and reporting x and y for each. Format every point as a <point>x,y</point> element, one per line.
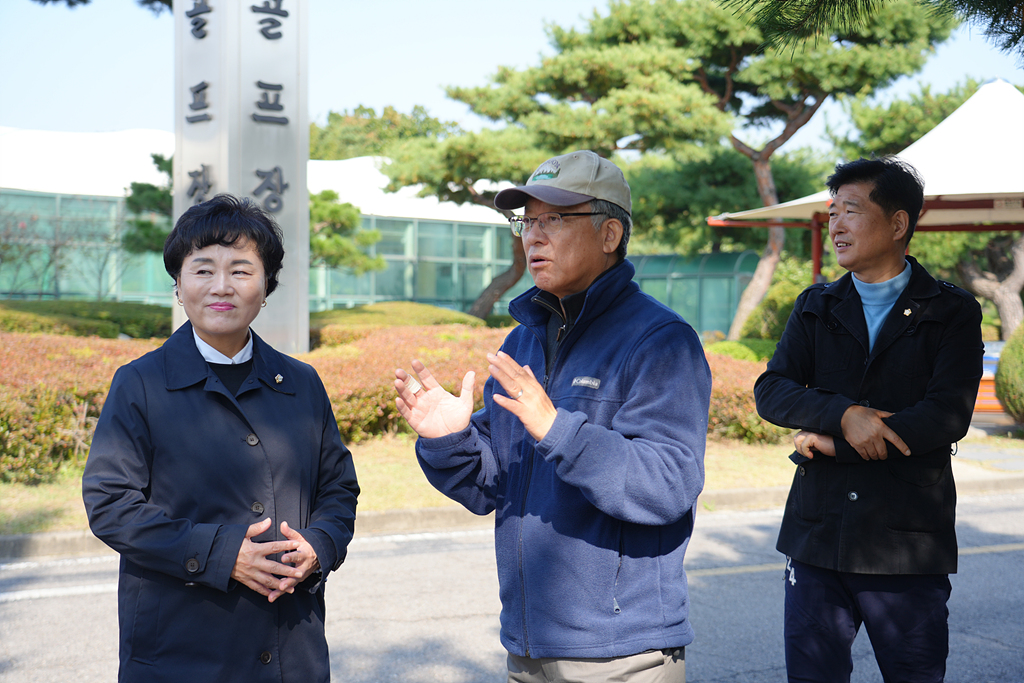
<point>570,179</point>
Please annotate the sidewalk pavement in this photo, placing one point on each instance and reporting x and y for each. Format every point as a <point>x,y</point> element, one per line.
<point>978,467</point>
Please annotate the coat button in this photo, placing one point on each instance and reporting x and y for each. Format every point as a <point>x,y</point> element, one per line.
<point>192,566</point>
<point>803,471</point>
<point>257,507</point>
<point>852,495</point>
<point>866,403</point>
<point>265,657</point>
<point>252,439</point>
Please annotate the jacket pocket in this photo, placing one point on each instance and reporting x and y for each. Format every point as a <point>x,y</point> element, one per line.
<point>920,497</point>
<point>145,631</point>
<point>809,487</point>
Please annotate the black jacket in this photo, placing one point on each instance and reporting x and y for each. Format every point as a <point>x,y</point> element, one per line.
<point>892,516</point>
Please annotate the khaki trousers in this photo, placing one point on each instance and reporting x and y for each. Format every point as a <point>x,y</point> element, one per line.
<point>655,666</point>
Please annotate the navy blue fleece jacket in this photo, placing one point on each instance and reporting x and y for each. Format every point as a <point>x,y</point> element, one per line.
<point>591,522</point>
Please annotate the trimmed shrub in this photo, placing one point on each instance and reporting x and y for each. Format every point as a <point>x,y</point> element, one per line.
<point>360,375</point>
<point>52,388</point>
<point>344,325</point>
<point>744,349</point>
<point>768,320</point>
<point>1010,376</point>
<point>86,318</point>
<point>733,414</point>
<point>51,391</point>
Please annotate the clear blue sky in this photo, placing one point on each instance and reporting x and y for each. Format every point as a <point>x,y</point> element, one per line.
<point>110,65</point>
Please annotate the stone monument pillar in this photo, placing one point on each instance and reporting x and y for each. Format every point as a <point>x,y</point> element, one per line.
<point>242,127</point>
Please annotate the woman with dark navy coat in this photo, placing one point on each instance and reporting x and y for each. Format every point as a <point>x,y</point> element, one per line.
<point>218,473</point>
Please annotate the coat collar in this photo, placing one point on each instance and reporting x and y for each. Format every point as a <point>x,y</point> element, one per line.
<point>905,313</point>
<point>921,285</point>
<point>184,366</point>
<point>598,297</point>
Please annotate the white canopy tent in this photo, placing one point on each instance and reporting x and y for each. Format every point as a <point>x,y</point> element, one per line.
<point>972,164</point>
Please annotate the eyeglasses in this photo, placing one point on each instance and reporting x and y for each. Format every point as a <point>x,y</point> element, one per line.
<point>550,223</point>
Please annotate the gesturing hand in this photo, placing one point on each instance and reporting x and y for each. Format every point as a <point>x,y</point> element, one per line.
<point>253,569</point>
<point>428,408</point>
<point>529,402</point>
<point>864,429</point>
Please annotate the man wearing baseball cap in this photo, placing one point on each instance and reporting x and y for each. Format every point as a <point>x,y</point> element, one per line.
<point>589,447</point>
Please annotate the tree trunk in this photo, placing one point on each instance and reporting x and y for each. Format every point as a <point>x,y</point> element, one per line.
<point>1005,294</point>
<point>484,303</point>
<point>762,278</point>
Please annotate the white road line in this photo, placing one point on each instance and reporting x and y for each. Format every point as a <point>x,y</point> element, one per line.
<point>1001,548</point>
<point>15,596</point>
<point>64,562</point>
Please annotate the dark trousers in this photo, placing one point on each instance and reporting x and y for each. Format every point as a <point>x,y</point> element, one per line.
<point>905,617</point>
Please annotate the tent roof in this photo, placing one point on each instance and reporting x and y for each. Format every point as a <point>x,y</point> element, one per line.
<point>972,164</point>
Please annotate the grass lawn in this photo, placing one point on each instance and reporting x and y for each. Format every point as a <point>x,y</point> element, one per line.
<point>389,477</point>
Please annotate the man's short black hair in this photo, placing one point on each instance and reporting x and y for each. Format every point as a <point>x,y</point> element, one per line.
<point>896,185</point>
<point>225,220</point>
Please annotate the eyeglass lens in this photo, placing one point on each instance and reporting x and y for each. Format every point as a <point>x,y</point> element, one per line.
<point>550,223</point>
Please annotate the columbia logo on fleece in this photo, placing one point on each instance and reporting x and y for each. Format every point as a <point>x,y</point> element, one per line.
<point>591,382</point>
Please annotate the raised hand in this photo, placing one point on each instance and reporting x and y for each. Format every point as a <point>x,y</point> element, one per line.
<point>428,408</point>
<point>526,398</point>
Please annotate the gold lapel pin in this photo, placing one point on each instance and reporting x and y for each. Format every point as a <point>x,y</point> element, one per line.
<point>906,311</point>
<point>280,379</point>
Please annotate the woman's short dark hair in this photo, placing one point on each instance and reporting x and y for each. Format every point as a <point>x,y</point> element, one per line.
<point>225,220</point>
<point>895,185</point>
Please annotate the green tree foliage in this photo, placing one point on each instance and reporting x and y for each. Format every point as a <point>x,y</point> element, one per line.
<point>672,199</point>
<point>151,205</point>
<point>673,77</point>
<point>363,133</point>
<point>989,264</point>
<point>883,129</point>
<point>1010,376</point>
<point>784,21</point>
<point>335,237</point>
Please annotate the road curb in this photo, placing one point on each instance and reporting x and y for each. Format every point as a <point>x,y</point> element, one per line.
<point>72,543</point>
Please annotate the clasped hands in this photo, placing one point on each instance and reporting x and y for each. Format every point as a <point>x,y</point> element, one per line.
<point>273,579</point>
<point>433,412</point>
<point>863,428</point>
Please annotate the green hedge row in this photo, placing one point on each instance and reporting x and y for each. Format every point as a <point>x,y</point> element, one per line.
<point>86,318</point>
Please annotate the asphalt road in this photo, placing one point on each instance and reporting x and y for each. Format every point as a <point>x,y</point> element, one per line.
<point>424,607</point>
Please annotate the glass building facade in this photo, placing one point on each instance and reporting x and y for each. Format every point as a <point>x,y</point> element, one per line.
<point>68,246</point>
<point>440,263</point>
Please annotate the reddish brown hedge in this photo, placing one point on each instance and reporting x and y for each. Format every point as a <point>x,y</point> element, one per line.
<point>52,387</point>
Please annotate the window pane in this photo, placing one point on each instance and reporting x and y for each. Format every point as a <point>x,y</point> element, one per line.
<point>471,241</point>
<point>434,281</point>
<point>505,238</point>
<point>391,281</point>
<point>471,283</point>
<point>393,236</point>
<point>436,239</point>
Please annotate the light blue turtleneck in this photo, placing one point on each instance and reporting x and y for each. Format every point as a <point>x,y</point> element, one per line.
<point>878,299</point>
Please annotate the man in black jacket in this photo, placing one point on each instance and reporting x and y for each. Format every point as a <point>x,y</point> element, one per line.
<point>879,370</point>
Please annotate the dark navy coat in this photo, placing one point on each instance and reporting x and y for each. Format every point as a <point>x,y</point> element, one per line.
<point>892,516</point>
<point>177,472</point>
